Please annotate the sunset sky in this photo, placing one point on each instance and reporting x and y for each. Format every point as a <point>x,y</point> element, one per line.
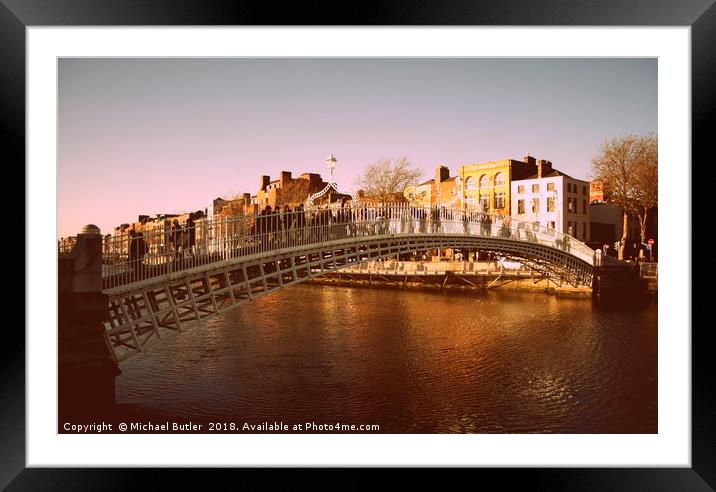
<point>147,136</point>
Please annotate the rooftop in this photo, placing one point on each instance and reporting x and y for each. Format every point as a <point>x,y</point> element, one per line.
<point>551,174</point>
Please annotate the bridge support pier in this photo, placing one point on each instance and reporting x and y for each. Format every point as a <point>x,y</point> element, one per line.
<point>86,369</point>
<point>619,285</point>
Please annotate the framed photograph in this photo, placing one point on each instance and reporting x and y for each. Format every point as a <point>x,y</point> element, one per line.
<point>426,239</point>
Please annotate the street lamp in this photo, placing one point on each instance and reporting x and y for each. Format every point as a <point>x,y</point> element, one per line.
<point>331,161</point>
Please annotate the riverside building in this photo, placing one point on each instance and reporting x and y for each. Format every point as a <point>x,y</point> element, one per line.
<point>552,199</point>
<point>487,185</point>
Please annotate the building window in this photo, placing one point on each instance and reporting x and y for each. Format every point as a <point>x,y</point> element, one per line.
<point>499,179</point>
<point>484,202</point>
<point>550,204</point>
<point>584,230</point>
<point>535,205</point>
<point>584,190</point>
<point>521,189</point>
<point>484,181</point>
<point>584,207</point>
<point>550,224</point>
<point>500,200</point>
<point>520,207</point>
<point>470,183</point>
<point>550,186</point>
<point>535,188</point>
<point>570,205</point>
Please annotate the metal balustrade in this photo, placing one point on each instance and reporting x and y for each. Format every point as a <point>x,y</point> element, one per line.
<point>169,249</point>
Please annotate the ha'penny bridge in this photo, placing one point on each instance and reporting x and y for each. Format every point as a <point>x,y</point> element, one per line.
<point>168,278</point>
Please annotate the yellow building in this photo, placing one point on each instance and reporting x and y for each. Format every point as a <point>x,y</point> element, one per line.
<point>486,185</point>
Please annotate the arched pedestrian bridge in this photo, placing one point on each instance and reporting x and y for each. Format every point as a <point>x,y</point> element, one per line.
<point>171,277</point>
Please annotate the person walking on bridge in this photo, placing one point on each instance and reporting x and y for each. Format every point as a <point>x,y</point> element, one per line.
<point>175,238</point>
<point>137,250</point>
<point>191,233</point>
<point>435,219</point>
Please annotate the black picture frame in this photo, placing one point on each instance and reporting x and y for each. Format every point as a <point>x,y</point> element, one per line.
<point>16,15</point>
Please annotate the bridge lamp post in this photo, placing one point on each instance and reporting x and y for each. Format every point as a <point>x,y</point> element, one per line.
<point>331,161</point>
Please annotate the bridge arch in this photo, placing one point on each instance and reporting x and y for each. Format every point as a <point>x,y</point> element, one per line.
<point>146,311</point>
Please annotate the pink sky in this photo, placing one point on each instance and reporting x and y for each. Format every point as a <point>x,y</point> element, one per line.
<point>148,136</point>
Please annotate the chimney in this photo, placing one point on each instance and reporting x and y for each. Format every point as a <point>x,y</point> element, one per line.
<point>265,180</point>
<point>529,159</point>
<point>246,198</point>
<point>285,177</point>
<point>314,179</point>
<point>441,174</point>
<point>543,167</point>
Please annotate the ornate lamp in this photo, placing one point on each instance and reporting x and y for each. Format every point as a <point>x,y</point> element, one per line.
<point>331,161</point>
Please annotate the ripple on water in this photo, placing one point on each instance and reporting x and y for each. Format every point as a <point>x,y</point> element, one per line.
<point>410,361</point>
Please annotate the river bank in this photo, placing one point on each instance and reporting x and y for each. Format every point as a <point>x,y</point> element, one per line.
<point>459,275</point>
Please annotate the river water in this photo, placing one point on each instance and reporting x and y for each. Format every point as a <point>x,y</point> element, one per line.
<point>409,361</point>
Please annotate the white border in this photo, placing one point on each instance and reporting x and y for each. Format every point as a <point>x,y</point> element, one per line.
<point>670,447</point>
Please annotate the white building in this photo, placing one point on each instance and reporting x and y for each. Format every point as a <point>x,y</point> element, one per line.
<point>554,200</point>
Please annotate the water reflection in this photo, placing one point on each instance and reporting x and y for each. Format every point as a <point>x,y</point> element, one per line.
<point>410,362</point>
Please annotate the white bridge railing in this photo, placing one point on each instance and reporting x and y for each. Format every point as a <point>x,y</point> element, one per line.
<point>163,248</point>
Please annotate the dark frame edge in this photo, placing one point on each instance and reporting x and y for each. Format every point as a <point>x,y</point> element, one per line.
<point>701,477</point>
<point>12,132</point>
<point>703,386</point>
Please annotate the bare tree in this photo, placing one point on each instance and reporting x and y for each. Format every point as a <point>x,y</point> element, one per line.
<point>387,178</point>
<point>619,165</point>
<point>233,204</point>
<point>646,183</point>
<point>294,194</point>
<point>415,197</point>
<point>231,195</point>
